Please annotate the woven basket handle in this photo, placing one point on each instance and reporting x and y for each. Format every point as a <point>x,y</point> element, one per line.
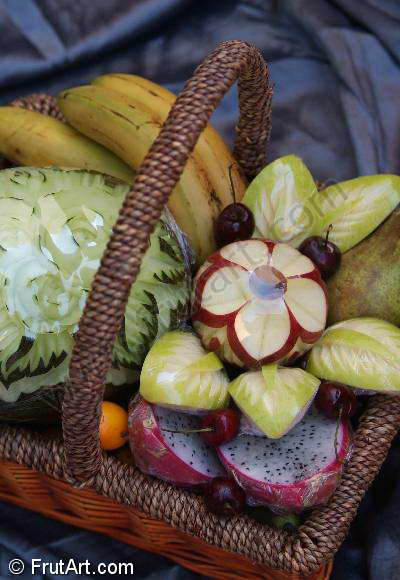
<point>158,175</point>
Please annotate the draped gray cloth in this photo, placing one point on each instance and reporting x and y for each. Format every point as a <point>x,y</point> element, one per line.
<point>335,65</point>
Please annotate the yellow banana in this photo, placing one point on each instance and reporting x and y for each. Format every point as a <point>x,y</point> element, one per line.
<point>37,140</point>
<point>125,126</point>
<point>211,152</point>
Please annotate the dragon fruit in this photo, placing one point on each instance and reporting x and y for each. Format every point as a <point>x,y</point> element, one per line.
<point>298,471</point>
<point>161,447</point>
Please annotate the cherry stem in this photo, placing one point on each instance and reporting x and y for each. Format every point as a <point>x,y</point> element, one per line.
<point>231,181</point>
<point>328,231</point>
<point>205,430</point>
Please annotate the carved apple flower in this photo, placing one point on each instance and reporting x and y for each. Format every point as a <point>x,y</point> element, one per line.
<point>259,301</point>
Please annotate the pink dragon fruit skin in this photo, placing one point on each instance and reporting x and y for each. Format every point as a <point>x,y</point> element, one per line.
<point>312,486</point>
<point>180,458</point>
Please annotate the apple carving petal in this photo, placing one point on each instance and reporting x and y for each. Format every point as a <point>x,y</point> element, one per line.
<point>225,291</point>
<point>281,198</point>
<point>307,301</point>
<point>268,316</point>
<point>253,328</point>
<point>178,373</point>
<point>361,352</point>
<point>288,261</point>
<point>274,399</point>
<point>356,208</point>
<point>249,254</point>
<point>219,294</point>
<point>265,337</point>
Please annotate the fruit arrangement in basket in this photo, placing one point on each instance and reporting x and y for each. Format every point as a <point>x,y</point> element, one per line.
<point>257,316</point>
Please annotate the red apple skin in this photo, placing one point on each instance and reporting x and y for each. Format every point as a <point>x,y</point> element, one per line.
<point>214,344</point>
<point>201,314</point>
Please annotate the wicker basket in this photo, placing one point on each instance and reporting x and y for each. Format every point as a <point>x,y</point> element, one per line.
<point>74,482</point>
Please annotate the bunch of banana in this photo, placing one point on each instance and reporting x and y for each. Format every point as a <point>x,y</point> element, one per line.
<point>30,138</point>
<point>124,113</point>
<point>211,149</point>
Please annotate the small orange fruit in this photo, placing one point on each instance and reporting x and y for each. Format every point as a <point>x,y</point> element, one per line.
<point>113,426</point>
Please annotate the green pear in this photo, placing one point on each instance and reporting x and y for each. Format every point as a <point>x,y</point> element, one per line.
<point>368,280</point>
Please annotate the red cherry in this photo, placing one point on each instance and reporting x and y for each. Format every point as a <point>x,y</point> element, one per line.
<point>234,223</point>
<point>224,497</point>
<point>223,425</point>
<point>334,399</point>
<point>325,254</point>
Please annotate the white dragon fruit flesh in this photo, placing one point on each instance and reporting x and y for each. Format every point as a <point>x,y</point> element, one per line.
<point>180,458</point>
<point>298,471</point>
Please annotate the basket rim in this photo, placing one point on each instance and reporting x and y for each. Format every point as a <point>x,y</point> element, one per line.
<point>87,498</point>
<point>317,539</point>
